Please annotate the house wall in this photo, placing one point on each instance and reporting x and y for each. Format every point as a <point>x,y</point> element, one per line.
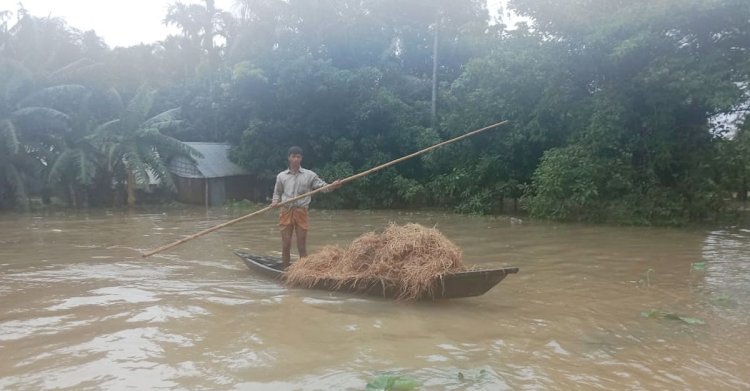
<point>193,190</point>
<point>246,187</point>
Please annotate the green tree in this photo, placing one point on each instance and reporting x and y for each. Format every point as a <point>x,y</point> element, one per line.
<point>77,169</point>
<point>733,154</point>
<point>24,133</point>
<point>42,45</point>
<point>134,147</point>
<point>201,25</point>
<point>656,73</point>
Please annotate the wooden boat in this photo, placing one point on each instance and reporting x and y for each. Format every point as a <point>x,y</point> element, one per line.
<point>449,286</point>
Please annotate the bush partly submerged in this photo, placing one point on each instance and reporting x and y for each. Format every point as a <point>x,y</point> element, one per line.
<point>410,257</point>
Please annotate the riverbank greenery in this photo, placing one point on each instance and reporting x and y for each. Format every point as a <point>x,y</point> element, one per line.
<point>627,112</point>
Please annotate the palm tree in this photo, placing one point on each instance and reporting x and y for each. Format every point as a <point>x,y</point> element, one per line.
<point>69,159</point>
<point>36,122</point>
<point>77,167</point>
<point>25,130</point>
<point>41,44</point>
<point>201,24</point>
<point>4,27</point>
<point>12,185</point>
<point>134,147</point>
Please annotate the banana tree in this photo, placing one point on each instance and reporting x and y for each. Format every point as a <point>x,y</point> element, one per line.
<point>77,167</point>
<point>134,147</point>
<point>25,131</point>
<point>12,185</point>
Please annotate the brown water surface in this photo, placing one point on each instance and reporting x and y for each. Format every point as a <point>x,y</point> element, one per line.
<point>80,309</point>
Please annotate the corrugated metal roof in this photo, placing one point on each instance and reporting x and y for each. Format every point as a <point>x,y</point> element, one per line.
<point>214,163</point>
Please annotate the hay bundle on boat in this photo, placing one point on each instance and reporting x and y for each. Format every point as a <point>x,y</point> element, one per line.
<point>410,257</point>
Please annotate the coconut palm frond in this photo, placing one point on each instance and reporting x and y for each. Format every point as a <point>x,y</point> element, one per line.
<point>13,76</point>
<point>114,97</point>
<point>42,111</point>
<point>169,146</point>
<point>80,63</point>
<point>106,129</point>
<point>188,17</point>
<point>168,115</point>
<point>74,165</point>
<point>58,96</point>
<point>61,165</point>
<point>113,153</point>
<point>76,70</point>
<point>164,120</point>
<point>160,171</point>
<point>139,107</point>
<point>135,164</point>
<point>41,121</point>
<point>168,125</point>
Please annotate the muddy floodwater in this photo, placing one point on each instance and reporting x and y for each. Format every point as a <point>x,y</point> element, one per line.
<point>593,307</point>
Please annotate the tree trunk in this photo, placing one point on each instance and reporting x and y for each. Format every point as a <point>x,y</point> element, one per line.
<point>131,188</point>
<point>72,195</point>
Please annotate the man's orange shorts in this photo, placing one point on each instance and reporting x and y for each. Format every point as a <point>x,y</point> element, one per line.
<point>293,217</point>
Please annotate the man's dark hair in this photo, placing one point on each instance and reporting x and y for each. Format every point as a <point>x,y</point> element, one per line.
<point>295,150</point>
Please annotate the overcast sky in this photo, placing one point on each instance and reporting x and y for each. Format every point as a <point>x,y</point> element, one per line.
<point>119,22</point>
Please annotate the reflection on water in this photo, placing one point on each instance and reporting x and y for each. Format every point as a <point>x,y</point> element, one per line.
<point>81,309</point>
<point>726,253</point>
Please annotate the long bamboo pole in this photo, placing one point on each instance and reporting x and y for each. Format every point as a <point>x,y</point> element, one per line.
<point>343,181</point>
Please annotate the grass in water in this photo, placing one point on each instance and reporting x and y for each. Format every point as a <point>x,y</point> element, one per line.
<point>645,281</point>
<point>472,377</point>
<point>698,266</point>
<point>392,382</point>
<point>658,314</point>
<point>724,301</point>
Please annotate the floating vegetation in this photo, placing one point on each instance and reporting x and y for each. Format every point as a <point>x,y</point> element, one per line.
<point>698,266</point>
<point>392,382</point>
<point>473,377</point>
<point>724,301</point>
<point>658,314</point>
<point>410,257</point>
<point>645,281</point>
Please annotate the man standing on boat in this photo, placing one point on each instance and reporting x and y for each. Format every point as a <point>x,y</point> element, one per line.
<point>291,183</point>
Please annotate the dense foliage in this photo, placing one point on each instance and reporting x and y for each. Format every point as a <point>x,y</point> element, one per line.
<point>632,112</point>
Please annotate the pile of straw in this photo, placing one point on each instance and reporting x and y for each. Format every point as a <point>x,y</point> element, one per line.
<point>410,257</point>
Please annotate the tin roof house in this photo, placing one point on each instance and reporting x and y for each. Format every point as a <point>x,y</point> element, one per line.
<point>213,179</point>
